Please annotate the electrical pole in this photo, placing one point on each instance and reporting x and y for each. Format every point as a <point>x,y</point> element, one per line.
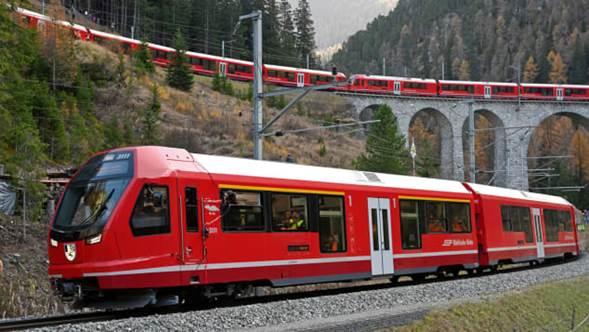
<point>471,141</point>
<point>43,7</point>
<point>222,48</point>
<point>308,60</point>
<point>258,90</point>
<point>134,20</point>
<point>384,66</point>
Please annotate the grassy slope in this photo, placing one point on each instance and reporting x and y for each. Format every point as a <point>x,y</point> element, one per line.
<point>546,307</point>
<point>543,308</point>
<point>205,121</point>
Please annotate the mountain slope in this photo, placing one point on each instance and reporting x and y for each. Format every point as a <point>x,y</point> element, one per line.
<point>478,39</point>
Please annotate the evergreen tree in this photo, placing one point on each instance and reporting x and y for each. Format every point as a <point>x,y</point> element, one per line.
<point>426,164</point>
<point>287,29</point>
<point>150,134</point>
<point>386,149</point>
<point>113,134</point>
<point>578,68</point>
<point>179,73</point>
<point>271,30</point>
<point>305,42</point>
<point>142,59</point>
<point>531,71</point>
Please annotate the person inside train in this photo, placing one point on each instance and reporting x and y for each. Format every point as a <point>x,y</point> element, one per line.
<point>435,224</point>
<point>458,225</point>
<point>295,222</point>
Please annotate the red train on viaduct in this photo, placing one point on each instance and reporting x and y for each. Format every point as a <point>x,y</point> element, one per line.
<point>149,225</point>
<point>210,65</point>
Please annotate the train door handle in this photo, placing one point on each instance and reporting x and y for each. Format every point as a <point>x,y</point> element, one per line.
<point>188,251</point>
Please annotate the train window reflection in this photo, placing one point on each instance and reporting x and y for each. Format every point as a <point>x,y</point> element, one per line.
<point>151,213</point>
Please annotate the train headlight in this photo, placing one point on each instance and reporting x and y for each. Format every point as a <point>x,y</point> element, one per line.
<point>94,240</point>
<point>53,243</point>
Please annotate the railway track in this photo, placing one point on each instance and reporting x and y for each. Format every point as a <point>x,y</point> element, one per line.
<point>77,318</point>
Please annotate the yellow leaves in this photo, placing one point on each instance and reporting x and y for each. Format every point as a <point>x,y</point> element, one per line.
<point>531,70</point>
<point>579,149</point>
<point>558,68</point>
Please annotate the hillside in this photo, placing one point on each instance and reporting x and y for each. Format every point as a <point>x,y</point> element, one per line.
<point>477,40</point>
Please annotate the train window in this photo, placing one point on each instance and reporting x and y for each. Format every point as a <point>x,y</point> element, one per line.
<point>191,209</point>
<point>556,221</point>
<point>503,89</point>
<point>290,213</point>
<point>517,219</point>
<point>570,92</point>
<point>410,236</point>
<point>458,215</point>
<point>414,85</point>
<point>242,211</point>
<point>435,219</point>
<point>332,228</point>
<point>272,73</point>
<point>378,83</point>
<point>151,213</point>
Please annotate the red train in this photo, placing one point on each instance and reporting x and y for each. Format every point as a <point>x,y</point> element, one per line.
<point>149,225</point>
<point>210,65</point>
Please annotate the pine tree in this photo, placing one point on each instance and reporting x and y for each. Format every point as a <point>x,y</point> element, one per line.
<point>557,68</point>
<point>142,59</point>
<point>386,149</point>
<point>426,164</point>
<point>150,134</point>
<point>271,29</point>
<point>531,71</point>
<point>287,29</point>
<point>579,65</point>
<point>179,73</point>
<point>305,33</point>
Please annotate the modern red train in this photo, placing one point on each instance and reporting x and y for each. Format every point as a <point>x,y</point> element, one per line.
<point>210,65</point>
<point>149,225</point>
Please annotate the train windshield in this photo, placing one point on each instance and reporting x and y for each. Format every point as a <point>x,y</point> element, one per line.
<point>95,191</point>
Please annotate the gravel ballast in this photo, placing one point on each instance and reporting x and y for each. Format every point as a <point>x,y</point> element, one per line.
<point>311,312</point>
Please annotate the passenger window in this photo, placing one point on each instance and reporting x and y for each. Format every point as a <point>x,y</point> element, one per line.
<point>242,211</point>
<point>332,227</point>
<point>290,212</point>
<point>435,220</point>
<point>517,219</point>
<point>458,215</point>
<point>191,209</point>
<point>410,237</point>
<point>151,213</point>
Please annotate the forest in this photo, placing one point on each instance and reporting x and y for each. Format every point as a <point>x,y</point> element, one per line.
<point>208,25</point>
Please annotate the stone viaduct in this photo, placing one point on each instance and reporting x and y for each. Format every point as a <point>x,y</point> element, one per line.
<point>513,123</point>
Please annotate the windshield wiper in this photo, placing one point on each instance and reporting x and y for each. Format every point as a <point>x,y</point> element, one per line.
<point>94,217</point>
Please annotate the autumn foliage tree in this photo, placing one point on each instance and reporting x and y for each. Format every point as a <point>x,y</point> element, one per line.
<point>558,70</point>
<point>531,71</point>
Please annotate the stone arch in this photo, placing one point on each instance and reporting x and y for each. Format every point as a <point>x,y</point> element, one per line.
<point>491,160</point>
<point>438,127</point>
<point>553,137</point>
<point>367,114</point>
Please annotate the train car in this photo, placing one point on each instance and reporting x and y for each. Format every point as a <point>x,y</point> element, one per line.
<point>479,90</point>
<point>456,88</point>
<point>138,225</point>
<point>405,86</point>
<point>575,92</point>
<point>520,226</point>
<point>541,91</point>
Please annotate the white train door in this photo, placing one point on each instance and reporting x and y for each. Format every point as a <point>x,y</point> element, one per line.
<point>300,80</point>
<point>222,69</point>
<point>379,225</point>
<point>539,235</point>
<point>487,92</point>
<point>397,88</point>
<point>559,94</point>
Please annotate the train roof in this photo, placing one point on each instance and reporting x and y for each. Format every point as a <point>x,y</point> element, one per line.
<point>517,194</point>
<point>479,83</point>
<point>288,171</point>
<point>396,78</point>
<point>300,70</point>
